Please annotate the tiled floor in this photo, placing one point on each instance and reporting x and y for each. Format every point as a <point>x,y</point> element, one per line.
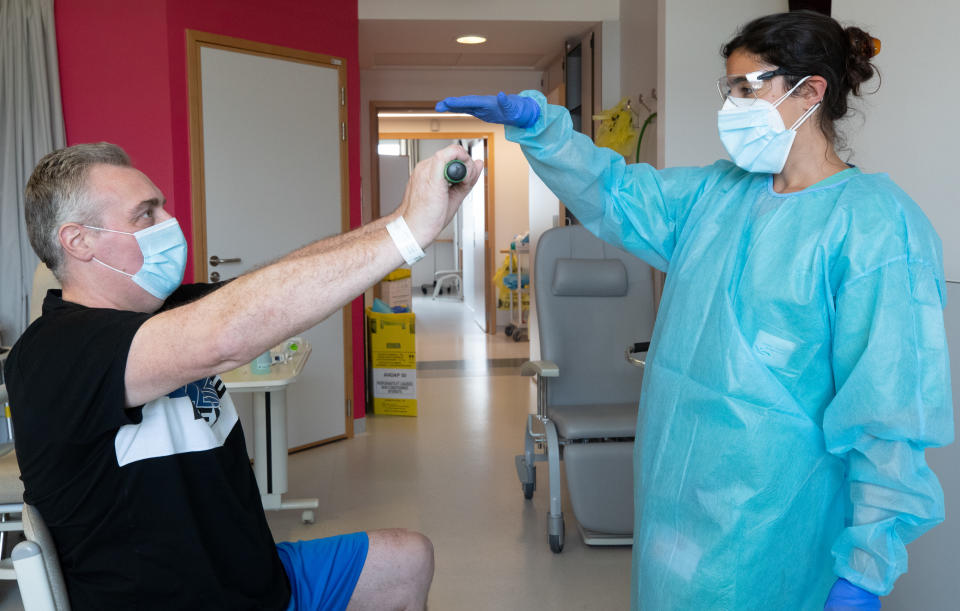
<point>449,473</point>
<point>445,331</point>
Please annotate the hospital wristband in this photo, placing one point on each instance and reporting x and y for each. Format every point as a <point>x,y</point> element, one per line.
<point>404,240</point>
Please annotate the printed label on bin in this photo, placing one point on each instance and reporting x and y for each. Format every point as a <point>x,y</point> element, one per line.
<point>395,383</point>
<point>395,360</point>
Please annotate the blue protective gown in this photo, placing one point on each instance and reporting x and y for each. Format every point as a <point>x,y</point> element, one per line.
<point>798,370</point>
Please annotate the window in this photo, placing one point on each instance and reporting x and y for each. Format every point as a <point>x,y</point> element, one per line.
<point>395,148</point>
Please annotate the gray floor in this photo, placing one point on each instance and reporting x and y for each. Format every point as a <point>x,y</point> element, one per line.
<point>449,473</point>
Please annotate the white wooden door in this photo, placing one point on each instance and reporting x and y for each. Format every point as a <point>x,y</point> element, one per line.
<point>474,244</point>
<point>272,178</point>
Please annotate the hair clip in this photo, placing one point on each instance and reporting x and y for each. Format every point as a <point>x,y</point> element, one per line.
<point>875,46</point>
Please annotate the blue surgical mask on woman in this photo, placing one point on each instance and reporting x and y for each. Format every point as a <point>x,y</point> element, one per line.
<point>164,250</point>
<point>754,134</point>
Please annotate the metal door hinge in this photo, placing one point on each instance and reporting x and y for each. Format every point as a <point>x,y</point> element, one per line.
<point>343,97</point>
<point>343,132</point>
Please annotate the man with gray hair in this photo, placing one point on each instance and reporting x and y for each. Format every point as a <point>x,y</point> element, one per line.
<point>151,500</point>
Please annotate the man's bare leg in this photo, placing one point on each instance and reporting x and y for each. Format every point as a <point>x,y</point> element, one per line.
<point>397,573</point>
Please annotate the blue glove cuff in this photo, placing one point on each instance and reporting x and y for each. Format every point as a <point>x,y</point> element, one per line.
<point>844,596</point>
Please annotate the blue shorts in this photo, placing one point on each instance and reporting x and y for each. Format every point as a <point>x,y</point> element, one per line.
<point>323,572</point>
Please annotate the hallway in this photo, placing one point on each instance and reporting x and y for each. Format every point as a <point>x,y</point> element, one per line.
<point>449,473</point>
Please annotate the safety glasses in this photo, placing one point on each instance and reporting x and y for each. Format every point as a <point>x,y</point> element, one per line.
<point>745,89</point>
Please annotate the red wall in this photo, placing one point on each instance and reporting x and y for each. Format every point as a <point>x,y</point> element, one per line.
<point>123,77</point>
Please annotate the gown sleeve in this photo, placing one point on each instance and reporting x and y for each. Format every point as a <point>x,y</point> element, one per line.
<point>635,207</point>
<point>892,401</point>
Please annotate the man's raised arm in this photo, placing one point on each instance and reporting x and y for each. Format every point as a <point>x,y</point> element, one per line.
<point>256,311</point>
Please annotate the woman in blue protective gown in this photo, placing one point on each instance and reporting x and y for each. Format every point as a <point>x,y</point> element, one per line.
<point>799,365</point>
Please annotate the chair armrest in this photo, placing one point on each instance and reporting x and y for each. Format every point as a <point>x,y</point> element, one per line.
<point>543,369</point>
<point>634,349</point>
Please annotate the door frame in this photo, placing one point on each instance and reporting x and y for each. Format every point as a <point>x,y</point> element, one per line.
<point>196,40</point>
<point>490,305</point>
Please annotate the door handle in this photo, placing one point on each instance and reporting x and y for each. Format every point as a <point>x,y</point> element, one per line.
<point>215,260</point>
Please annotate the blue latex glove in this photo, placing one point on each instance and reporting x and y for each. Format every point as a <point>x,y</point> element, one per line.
<point>381,307</point>
<point>515,110</point>
<point>844,596</point>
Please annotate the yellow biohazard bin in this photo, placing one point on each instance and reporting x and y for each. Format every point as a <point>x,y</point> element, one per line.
<point>393,363</point>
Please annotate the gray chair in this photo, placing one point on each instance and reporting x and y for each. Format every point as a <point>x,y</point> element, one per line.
<point>11,502</point>
<point>36,565</point>
<point>33,562</point>
<point>39,577</point>
<point>594,312</point>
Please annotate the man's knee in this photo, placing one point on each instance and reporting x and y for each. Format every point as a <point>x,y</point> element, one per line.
<point>416,550</point>
<point>421,548</point>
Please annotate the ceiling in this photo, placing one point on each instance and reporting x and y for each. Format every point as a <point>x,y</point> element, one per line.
<point>530,45</point>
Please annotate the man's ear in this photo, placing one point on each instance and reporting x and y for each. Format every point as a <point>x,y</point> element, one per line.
<point>75,241</point>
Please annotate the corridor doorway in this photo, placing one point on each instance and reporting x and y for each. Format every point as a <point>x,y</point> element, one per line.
<point>467,244</point>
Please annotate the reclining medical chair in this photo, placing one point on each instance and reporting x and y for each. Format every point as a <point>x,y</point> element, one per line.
<point>35,564</point>
<point>33,561</point>
<point>41,583</point>
<point>594,314</point>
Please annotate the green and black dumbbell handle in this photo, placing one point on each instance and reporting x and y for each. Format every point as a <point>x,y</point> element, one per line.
<point>455,171</point>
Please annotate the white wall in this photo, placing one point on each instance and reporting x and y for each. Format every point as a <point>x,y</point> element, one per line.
<point>638,64</point>
<point>544,209</point>
<point>691,33</point>
<point>527,10</point>
<point>610,57</point>
<point>907,131</point>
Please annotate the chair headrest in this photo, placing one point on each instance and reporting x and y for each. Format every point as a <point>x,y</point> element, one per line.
<point>589,278</point>
<point>43,280</point>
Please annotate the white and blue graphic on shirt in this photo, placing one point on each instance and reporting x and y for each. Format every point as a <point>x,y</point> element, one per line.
<point>205,395</point>
<point>194,418</point>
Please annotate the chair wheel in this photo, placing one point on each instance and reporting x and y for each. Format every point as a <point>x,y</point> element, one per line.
<point>307,517</point>
<point>527,490</point>
<point>556,543</point>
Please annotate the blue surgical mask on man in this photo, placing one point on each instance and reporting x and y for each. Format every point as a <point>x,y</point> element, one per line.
<point>164,250</point>
<point>754,134</point>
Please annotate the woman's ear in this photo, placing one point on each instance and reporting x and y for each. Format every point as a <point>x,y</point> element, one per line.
<point>813,89</point>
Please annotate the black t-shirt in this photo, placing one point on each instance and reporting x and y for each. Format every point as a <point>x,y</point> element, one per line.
<point>154,507</point>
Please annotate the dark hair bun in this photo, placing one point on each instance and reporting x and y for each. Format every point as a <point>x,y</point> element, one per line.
<point>862,48</point>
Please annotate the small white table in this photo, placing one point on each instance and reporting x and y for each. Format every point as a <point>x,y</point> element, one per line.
<point>270,429</point>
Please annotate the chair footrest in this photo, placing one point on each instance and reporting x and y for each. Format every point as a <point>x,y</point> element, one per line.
<point>591,537</point>
<point>600,482</point>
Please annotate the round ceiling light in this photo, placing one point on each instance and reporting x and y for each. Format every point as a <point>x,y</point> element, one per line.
<point>471,39</point>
